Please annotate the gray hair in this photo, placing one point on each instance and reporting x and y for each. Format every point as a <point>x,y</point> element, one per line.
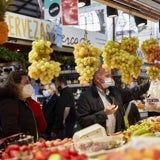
<point>52,86</point>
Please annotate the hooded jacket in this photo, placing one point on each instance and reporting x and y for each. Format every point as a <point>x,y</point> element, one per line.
<point>15,115</point>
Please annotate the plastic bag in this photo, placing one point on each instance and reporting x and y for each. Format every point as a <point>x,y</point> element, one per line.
<point>152,103</point>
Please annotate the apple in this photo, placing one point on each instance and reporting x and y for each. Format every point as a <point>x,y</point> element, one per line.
<point>55,156</point>
<point>13,150</point>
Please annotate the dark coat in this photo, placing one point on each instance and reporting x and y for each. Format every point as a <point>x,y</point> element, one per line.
<point>15,115</point>
<point>90,108</point>
<point>50,113</point>
<point>133,115</point>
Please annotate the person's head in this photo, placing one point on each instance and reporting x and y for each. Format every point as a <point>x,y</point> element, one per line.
<point>19,82</point>
<point>102,78</point>
<point>62,82</point>
<point>49,90</point>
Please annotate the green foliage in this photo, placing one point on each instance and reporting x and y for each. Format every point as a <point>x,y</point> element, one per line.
<point>11,56</point>
<point>65,59</point>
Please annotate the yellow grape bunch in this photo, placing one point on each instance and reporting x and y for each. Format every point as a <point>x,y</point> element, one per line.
<point>115,58</point>
<point>130,44</point>
<point>42,67</point>
<point>151,50</point>
<point>44,70</point>
<point>153,72</point>
<point>40,49</point>
<point>87,59</point>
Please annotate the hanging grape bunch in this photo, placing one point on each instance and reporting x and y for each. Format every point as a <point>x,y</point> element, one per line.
<point>42,67</point>
<point>130,45</point>
<point>87,61</point>
<point>123,57</point>
<point>151,50</point>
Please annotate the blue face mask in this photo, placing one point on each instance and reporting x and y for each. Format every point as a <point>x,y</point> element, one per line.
<point>45,93</point>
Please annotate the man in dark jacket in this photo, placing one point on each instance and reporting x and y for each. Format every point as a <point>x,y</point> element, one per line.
<point>103,102</point>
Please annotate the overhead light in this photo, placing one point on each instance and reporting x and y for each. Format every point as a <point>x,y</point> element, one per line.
<point>140,21</point>
<point>111,12</point>
<point>82,3</point>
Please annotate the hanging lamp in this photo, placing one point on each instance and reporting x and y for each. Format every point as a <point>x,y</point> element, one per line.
<point>140,21</point>
<point>82,3</point>
<point>111,12</point>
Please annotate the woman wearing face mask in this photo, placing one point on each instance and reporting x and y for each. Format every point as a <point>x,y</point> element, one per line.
<point>103,102</point>
<point>15,113</point>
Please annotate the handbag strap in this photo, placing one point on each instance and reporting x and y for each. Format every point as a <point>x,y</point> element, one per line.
<point>128,109</point>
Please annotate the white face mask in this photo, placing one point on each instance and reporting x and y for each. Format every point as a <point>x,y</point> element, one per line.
<point>27,91</point>
<point>45,93</point>
<point>108,82</point>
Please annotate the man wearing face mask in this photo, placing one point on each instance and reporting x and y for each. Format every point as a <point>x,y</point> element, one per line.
<point>103,102</point>
<point>15,113</point>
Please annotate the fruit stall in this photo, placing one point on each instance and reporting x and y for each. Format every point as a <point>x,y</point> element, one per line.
<point>92,143</point>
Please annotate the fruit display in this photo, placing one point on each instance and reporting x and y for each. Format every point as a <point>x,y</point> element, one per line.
<point>42,67</point>
<point>122,57</point>
<point>146,127</point>
<point>87,61</point>
<point>139,148</point>
<point>47,150</point>
<point>151,50</point>
<point>150,153</point>
<point>130,45</point>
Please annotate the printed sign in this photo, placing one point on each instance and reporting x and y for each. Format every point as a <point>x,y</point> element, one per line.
<point>52,9</point>
<point>69,12</point>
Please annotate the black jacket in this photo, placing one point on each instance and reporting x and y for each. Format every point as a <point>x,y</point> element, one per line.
<point>50,113</point>
<point>90,108</point>
<point>133,114</point>
<point>15,115</point>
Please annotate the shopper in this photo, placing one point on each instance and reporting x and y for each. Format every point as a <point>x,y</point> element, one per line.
<point>103,102</point>
<point>50,112</point>
<point>15,114</point>
<point>67,105</point>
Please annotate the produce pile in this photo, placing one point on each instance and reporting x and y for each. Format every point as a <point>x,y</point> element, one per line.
<point>151,50</point>
<point>150,153</point>
<point>87,61</point>
<point>122,56</point>
<point>42,67</point>
<point>146,127</point>
<point>47,150</point>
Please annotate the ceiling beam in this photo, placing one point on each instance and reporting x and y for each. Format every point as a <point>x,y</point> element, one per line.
<point>129,9</point>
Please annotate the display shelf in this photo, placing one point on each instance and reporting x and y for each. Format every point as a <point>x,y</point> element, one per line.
<point>68,71</point>
<point>78,85</point>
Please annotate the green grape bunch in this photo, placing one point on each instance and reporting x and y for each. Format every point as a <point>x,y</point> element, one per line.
<point>130,44</point>
<point>42,68</point>
<point>114,57</point>
<point>40,49</point>
<point>87,59</point>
